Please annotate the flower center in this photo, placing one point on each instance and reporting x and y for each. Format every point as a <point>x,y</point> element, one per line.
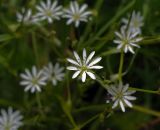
<point>76,16</point>
<point>48,13</point>
<point>7,127</point>
<point>34,81</point>
<point>125,42</point>
<point>84,68</point>
<point>135,23</point>
<point>119,95</point>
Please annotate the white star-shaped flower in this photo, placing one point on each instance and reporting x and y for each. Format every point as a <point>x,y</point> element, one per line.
<point>25,16</point>
<point>34,80</point>
<point>136,22</point>
<point>127,39</point>
<point>10,120</point>
<point>83,67</point>
<point>120,95</point>
<point>76,13</point>
<point>49,11</point>
<point>53,73</point>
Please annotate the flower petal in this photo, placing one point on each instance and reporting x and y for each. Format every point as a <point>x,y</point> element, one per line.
<point>95,61</point>
<point>130,97</point>
<point>127,103</point>
<point>76,74</point>
<point>122,106</point>
<point>72,61</point>
<point>84,56</point>
<point>91,75</point>
<point>84,76</point>
<point>72,68</point>
<point>96,67</point>
<point>90,57</point>
<point>77,57</point>
<point>115,104</point>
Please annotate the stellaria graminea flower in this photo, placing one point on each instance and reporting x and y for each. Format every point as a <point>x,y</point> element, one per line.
<point>25,16</point>
<point>127,39</point>
<point>136,22</point>
<point>34,80</point>
<point>53,73</point>
<point>76,13</point>
<point>10,120</point>
<point>83,67</point>
<point>49,11</point>
<point>120,95</point>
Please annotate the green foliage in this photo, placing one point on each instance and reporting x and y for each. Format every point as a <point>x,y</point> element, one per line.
<point>73,105</point>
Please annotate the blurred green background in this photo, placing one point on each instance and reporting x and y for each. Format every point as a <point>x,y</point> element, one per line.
<point>17,52</point>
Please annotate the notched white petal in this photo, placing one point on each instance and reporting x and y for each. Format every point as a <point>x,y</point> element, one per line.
<point>95,61</point>
<point>83,76</point>
<point>90,74</point>
<point>72,68</point>
<point>76,74</point>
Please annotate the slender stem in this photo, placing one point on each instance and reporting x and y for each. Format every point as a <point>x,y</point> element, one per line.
<point>67,111</point>
<point>145,91</point>
<point>130,64</point>
<point>99,107</point>
<point>39,103</point>
<point>131,88</point>
<point>35,48</point>
<point>72,120</point>
<point>146,110</point>
<point>68,91</point>
<point>90,120</point>
<point>110,52</point>
<point>121,66</point>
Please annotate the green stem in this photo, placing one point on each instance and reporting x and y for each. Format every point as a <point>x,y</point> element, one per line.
<point>104,85</point>
<point>71,120</point>
<point>39,103</point>
<point>99,107</point>
<point>130,64</point>
<point>145,91</point>
<point>146,110</point>
<point>67,111</point>
<point>68,92</point>
<point>121,66</point>
<point>90,120</point>
<point>35,48</point>
<point>110,52</point>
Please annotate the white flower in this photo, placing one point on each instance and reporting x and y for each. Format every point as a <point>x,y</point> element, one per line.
<point>120,95</point>
<point>48,11</point>
<point>53,73</point>
<point>83,67</point>
<point>76,13</point>
<point>127,39</point>
<point>10,120</point>
<point>136,22</point>
<point>25,16</point>
<point>33,80</point>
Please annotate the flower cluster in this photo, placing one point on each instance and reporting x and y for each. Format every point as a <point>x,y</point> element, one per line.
<point>36,79</point>
<point>52,11</point>
<point>10,120</point>
<point>128,37</point>
<point>126,40</point>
